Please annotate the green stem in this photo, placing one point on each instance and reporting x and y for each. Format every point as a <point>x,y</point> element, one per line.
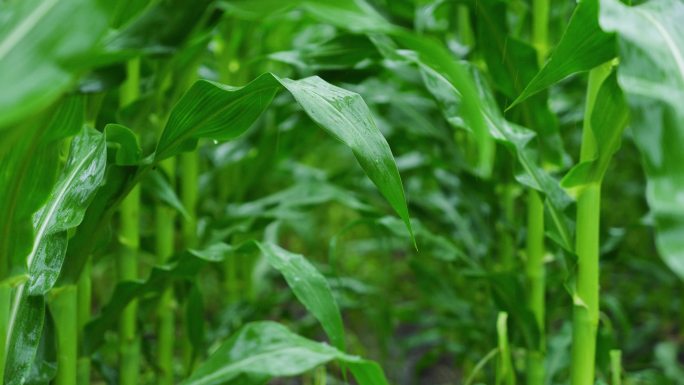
<point>129,346</point>
<point>189,164</point>
<point>505,374</point>
<point>189,183</point>
<point>84,295</point>
<point>586,297</point>
<point>534,271</point>
<point>5,304</point>
<point>507,236</point>
<point>616,367</point>
<point>165,241</point>
<point>63,306</point>
<point>540,28</point>
<point>465,29</point>
<point>534,268</point>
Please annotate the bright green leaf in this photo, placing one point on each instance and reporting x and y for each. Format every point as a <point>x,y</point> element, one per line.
<point>582,47</point>
<point>310,287</point>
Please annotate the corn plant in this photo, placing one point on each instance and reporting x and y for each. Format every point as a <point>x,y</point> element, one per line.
<point>358,191</point>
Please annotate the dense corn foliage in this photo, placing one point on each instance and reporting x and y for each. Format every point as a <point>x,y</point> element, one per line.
<point>341,192</point>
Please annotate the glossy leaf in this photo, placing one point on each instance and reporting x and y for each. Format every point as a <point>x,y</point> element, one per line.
<point>82,175</point>
<point>36,64</point>
<point>651,73</point>
<point>346,116</point>
<point>582,47</point>
<point>216,111</point>
<point>310,287</point>
<point>358,16</point>
<point>28,170</point>
<point>267,349</point>
<point>24,337</point>
<point>64,210</point>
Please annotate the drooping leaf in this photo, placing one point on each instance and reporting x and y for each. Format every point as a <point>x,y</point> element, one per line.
<point>358,16</point>
<point>651,72</point>
<point>267,349</point>
<point>346,116</point>
<point>36,64</point>
<point>582,47</point>
<point>212,110</point>
<point>310,287</point>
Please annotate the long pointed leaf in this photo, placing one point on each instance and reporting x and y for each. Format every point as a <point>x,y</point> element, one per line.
<point>310,287</point>
<point>219,112</point>
<point>582,47</point>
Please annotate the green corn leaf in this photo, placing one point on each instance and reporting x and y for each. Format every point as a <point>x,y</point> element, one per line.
<point>28,170</point>
<point>266,350</point>
<point>24,337</point>
<point>359,17</point>
<point>215,111</point>
<point>512,63</point>
<point>64,210</point>
<point>353,15</point>
<point>124,144</point>
<point>310,287</point>
<point>346,116</point>
<point>582,47</point>
<point>159,29</point>
<point>340,52</point>
<point>36,64</point>
<point>651,73</point>
<point>157,184</point>
<point>515,138</point>
<point>83,174</point>
<point>219,112</point>
<point>608,121</point>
